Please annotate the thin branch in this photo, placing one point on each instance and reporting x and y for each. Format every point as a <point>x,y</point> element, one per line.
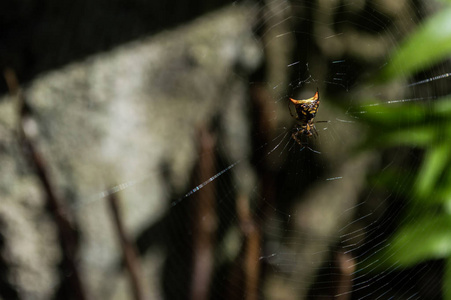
<point>346,267</point>
<point>252,229</point>
<point>251,254</point>
<point>66,231</point>
<point>129,252</point>
<point>205,220</point>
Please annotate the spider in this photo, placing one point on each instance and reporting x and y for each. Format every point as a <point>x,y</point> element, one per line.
<point>305,113</point>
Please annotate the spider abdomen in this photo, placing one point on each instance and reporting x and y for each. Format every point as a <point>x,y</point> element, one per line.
<point>305,113</point>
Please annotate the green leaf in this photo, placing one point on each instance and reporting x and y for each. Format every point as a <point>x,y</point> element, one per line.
<point>442,191</point>
<point>418,241</point>
<point>390,115</point>
<point>428,45</point>
<point>442,107</point>
<point>434,165</point>
<point>420,136</point>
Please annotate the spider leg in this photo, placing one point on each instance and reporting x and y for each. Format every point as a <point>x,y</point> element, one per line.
<point>315,132</point>
<point>317,152</point>
<point>314,127</point>
<point>295,137</point>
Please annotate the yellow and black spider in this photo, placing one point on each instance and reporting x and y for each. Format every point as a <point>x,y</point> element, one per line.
<point>305,113</point>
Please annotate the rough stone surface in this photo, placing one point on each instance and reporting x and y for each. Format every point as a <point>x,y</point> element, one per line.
<point>108,123</point>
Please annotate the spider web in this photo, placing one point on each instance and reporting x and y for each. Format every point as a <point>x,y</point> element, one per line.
<point>258,215</point>
<point>320,221</point>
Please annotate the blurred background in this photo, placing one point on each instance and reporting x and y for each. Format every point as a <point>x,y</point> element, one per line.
<point>146,150</point>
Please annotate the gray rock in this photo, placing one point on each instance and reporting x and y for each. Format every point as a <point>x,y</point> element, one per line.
<point>105,125</point>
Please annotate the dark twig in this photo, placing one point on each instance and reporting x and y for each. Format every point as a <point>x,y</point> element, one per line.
<point>251,247</point>
<point>250,268</point>
<point>129,251</point>
<point>263,105</point>
<point>205,220</point>
<point>252,229</point>
<point>346,267</point>
<point>336,280</point>
<point>66,231</point>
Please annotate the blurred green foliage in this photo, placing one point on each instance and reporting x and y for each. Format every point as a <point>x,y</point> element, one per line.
<point>424,231</point>
<point>428,45</point>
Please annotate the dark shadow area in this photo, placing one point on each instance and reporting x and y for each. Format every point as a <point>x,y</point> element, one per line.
<point>38,36</point>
